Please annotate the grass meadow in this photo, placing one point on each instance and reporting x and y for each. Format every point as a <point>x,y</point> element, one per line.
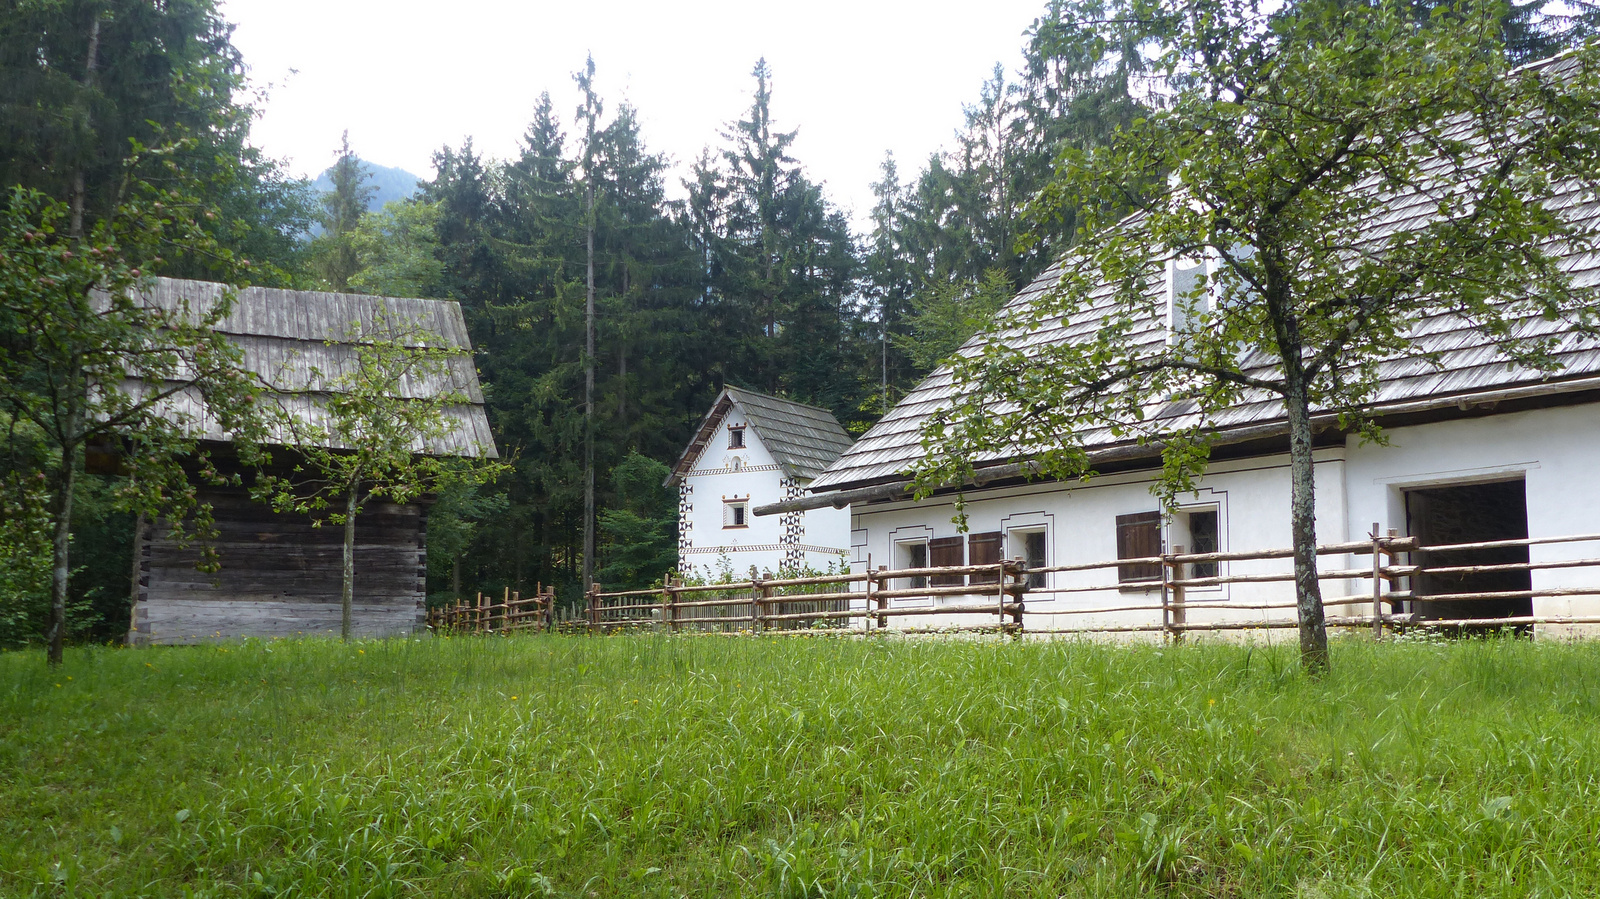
<point>661,766</point>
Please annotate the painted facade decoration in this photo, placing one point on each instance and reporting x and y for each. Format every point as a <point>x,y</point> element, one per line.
<point>753,449</point>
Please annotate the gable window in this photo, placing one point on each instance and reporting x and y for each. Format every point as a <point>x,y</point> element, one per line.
<point>1029,545</point>
<point>1186,299</point>
<point>734,513</point>
<point>736,437</point>
<point>1139,537</point>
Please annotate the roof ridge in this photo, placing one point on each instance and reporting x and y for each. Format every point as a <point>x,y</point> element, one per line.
<point>782,399</point>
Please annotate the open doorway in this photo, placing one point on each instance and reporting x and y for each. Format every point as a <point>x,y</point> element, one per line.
<point>1470,513</point>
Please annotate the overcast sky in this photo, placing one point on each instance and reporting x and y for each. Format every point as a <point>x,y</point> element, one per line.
<point>856,77</point>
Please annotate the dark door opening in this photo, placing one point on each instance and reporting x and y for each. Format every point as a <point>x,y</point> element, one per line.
<point>1470,513</point>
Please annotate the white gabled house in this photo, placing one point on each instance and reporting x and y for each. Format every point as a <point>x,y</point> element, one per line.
<point>1477,451</point>
<point>753,449</point>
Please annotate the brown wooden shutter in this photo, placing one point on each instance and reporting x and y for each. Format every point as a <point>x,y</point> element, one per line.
<point>944,551</point>
<point>984,549</point>
<point>1139,536</point>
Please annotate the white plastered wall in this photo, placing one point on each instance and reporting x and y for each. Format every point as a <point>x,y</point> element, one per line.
<point>751,475</point>
<point>1252,497</point>
<point>1557,452</point>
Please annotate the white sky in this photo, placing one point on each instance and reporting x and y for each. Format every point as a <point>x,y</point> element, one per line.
<point>857,77</point>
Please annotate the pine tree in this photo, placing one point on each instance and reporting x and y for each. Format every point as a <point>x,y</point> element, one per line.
<point>334,250</point>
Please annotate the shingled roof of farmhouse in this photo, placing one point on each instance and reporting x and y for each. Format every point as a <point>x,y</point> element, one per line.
<point>299,341</point>
<point>1467,362</point>
<point>802,439</point>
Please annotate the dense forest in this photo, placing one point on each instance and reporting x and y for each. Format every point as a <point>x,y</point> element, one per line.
<point>736,268</point>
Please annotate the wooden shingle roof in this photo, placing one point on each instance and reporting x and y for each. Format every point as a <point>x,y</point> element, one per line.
<point>299,343</point>
<point>804,440</point>
<point>1449,359</point>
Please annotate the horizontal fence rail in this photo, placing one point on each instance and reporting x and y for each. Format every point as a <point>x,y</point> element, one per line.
<point>1070,599</point>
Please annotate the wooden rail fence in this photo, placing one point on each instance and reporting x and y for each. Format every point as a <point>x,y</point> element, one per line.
<point>514,612</point>
<point>997,597</point>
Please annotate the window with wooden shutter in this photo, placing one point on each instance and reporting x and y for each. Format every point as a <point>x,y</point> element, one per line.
<point>984,549</point>
<point>945,551</point>
<point>1139,537</point>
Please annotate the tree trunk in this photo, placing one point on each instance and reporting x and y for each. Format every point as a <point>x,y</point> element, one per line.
<point>588,410</point>
<point>61,570</point>
<point>1303,527</point>
<point>348,580</point>
<point>79,191</point>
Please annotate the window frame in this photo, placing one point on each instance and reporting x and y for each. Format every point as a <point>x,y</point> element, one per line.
<point>736,514</point>
<point>904,549</point>
<point>736,437</point>
<point>1017,547</point>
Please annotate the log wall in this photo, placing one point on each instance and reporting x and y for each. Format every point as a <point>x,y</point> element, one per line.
<point>280,576</point>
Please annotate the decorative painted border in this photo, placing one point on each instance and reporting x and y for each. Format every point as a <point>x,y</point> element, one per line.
<point>766,547</point>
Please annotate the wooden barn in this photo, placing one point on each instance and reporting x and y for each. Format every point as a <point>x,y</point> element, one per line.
<point>280,576</point>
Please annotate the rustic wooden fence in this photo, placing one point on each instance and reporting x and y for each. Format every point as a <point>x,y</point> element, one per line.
<point>833,601</point>
<point>514,612</point>
<point>1069,599</point>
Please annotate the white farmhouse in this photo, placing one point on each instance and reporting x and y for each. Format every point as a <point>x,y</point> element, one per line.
<point>753,449</point>
<point>1478,451</point>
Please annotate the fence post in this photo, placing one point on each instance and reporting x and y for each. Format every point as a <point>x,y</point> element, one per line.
<point>1019,577</point>
<point>765,606</point>
<point>1377,583</point>
<point>594,608</point>
<point>1180,612</point>
<point>664,608</point>
<point>883,604</point>
<point>872,596</point>
<point>1000,575</point>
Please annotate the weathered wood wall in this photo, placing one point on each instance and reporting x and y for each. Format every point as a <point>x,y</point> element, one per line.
<point>280,576</point>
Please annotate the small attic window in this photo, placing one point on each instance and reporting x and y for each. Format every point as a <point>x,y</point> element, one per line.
<point>1187,301</point>
<point>1185,298</point>
<point>736,437</point>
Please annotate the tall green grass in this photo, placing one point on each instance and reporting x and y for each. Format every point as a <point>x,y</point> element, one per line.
<point>793,767</point>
